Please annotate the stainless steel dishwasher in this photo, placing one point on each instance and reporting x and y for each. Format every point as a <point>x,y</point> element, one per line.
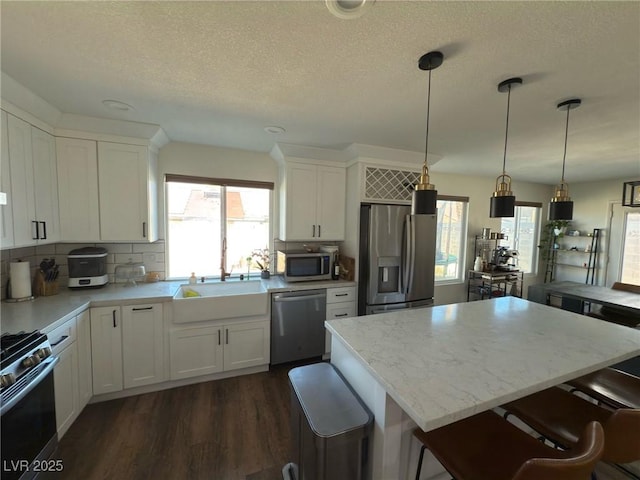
<point>297,325</point>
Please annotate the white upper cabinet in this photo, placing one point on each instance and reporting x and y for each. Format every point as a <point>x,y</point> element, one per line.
<point>78,189</point>
<point>46,185</point>
<point>6,215</point>
<point>108,191</point>
<point>314,200</point>
<point>34,195</point>
<point>127,190</point>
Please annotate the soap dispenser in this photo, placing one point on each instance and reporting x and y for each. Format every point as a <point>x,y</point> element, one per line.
<point>192,279</point>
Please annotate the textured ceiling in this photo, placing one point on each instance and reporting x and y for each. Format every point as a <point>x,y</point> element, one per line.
<point>218,72</point>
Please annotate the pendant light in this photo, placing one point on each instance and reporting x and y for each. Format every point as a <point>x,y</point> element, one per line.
<point>561,206</point>
<point>503,202</point>
<point>425,195</point>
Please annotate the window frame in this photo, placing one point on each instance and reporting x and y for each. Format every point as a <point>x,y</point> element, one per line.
<point>535,261</point>
<point>462,259</point>
<point>222,183</point>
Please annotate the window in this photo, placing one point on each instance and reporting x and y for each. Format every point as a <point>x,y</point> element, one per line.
<point>202,213</point>
<point>631,249</point>
<point>450,238</point>
<point>522,235</point>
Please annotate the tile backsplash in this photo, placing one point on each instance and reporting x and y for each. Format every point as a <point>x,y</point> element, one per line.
<point>150,254</point>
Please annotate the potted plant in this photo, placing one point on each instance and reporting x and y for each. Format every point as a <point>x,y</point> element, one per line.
<point>553,230</point>
<point>261,258</point>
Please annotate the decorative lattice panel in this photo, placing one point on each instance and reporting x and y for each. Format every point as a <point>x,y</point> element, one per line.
<point>385,184</point>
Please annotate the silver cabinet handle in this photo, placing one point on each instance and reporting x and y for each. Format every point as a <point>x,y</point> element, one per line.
<point>227,336</point>
<point>144,229</point>
<point>62,339</point>
<point>219,341</point>
<point>319,234</point>
<point>115,322</point>
<point>142,308</point>
<point>341,295</point>
<point>37,234</point>
<point>44,231</point>
<point>341,314</point>
<point>313,233</point>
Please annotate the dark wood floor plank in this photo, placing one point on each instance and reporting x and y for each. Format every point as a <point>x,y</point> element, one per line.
<point>230,429</point>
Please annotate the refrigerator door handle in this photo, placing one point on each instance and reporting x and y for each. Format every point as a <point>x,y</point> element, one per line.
<point>411,253</point>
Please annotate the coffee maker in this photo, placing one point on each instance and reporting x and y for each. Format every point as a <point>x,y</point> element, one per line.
<point>505,259</point>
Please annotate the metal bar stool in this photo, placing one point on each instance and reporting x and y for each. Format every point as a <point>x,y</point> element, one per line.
<point>611,387</point>
<point>487,447</point>
<point>560,416</point>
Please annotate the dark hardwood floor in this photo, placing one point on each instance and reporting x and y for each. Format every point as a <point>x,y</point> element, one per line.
<point>236,428</point>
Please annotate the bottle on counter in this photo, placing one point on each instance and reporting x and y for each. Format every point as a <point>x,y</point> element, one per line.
<point>192,279</point>
<point>335,272</point>
<point>477,266</point>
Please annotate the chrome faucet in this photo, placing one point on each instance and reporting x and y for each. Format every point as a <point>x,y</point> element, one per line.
<point>223,273</point>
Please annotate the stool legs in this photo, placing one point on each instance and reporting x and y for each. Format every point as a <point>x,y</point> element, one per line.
<point>422,449</point>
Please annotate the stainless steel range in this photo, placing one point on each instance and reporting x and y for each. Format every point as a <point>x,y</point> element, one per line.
<point>27,405</point>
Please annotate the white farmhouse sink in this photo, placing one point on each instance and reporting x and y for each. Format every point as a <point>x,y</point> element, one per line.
<point>220,300</point>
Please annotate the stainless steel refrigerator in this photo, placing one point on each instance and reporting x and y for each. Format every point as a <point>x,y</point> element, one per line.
<point>397,259</point>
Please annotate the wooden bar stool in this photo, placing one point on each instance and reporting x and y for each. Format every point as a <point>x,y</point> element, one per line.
<point>561,417</point>
<point>611,387</point>
<point>487,447</point>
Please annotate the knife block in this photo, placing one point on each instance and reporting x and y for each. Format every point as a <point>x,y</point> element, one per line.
<point>42,288</point>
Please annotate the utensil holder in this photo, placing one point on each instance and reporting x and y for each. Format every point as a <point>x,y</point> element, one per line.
<point>42,288</point>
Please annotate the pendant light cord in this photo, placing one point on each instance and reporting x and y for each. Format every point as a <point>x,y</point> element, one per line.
<point>506,133</point>
<point>426,142</point>
<point>566,134</point>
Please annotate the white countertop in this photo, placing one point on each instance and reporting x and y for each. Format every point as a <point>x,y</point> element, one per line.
<point>445,363</point>
<point>46,313</point>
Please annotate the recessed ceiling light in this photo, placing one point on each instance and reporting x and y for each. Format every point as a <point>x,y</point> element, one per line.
<point>117,105</point>
<point>348,9</point>
<point>274,129</point>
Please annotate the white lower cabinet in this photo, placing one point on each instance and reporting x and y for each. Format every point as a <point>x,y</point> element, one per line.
<point>341,303</point>
<point>85,381</point>
<point>126,347</point>
<point>218,348</point>
<point>65,375</point>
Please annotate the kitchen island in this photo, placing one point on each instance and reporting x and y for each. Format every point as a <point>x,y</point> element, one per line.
<point>432,366</point>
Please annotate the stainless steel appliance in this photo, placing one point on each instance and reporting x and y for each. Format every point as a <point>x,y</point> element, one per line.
<point>297,325</point>
<point>299,265</point>
<point>397,259</point>
<point>87,267</point>
<point>27,405</point>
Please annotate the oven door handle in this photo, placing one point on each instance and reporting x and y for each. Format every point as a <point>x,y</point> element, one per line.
<point>50,364</point>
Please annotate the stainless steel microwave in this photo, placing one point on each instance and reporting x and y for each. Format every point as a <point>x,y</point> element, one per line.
<point>301,266</point>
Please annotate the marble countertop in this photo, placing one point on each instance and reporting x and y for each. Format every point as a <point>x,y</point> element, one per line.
<point>448,362</point>
<point>47,313</point>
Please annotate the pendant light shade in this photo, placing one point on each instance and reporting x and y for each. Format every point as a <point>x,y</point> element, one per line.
<point>503,202</point>
<point>425,196</point>
<point>561,206</point>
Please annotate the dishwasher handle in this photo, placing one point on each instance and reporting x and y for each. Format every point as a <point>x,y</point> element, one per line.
<point>282,298</point>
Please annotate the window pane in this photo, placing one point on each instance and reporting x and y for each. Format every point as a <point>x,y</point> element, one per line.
<point>522,234</point>
<point>247,226</point>
<point>193,229</point>
<point>631,249</point>
<point>449,240</point>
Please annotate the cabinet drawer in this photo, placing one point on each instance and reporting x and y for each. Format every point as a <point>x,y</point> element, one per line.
<point>339,295</point>
<point>341,310</point>
<point>63,336</point>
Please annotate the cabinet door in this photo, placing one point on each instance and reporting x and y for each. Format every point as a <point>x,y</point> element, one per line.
<point>195,351</point>
<point>22,186</point>
<point>106,350</point>
<point>77,162</point>
<point>46,185</point>
<point>6,215</point>
<point>85,382</point>
<point>123,180</point>
<point>331,203</point>
<point>246,345</point>
<point>142,345</point>
<point>300,208</point>
<point>65,378</point>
